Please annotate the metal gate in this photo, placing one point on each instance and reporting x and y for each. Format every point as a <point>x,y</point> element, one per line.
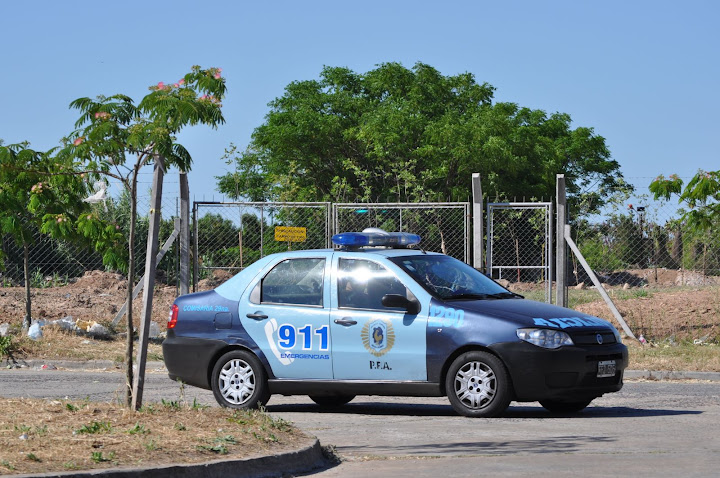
<point>444,227</point>
<point>519,243</point>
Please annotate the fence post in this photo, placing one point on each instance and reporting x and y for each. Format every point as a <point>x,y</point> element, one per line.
<point>477,222</point>
<point>561,251</point>
<point>184,234</point>
<point>149,281</point>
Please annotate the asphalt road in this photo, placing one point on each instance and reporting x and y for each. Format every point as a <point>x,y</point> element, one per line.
<point>650,428</point>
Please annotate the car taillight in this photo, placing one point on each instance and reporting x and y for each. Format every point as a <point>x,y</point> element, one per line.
<point>172,317</point>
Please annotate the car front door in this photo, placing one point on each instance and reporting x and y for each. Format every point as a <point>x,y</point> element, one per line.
<point>287,314</point>
<point>372,341</point>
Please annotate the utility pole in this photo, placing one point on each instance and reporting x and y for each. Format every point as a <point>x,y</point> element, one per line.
<point>149,281</point>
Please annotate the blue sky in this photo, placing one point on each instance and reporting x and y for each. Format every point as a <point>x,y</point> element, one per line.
<point>643,74</point>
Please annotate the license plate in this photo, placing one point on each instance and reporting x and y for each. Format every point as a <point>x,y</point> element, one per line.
<point>606,368</point>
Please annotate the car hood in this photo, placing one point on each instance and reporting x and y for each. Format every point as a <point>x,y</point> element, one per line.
<point>529,313</point>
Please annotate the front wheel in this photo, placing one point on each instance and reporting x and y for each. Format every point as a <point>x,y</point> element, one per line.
<point>478,385</point>
<point>238,381</point>
<point>564,407</point>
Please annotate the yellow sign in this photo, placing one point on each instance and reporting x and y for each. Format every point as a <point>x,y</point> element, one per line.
<point>290,234</point>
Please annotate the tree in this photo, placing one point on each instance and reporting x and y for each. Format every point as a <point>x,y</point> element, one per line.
<point>702,196</point>
<point>38,195</point>
<point>113,129</point>
<point>395,134</point>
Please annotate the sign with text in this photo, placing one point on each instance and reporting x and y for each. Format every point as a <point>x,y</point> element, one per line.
<point>290,234</point>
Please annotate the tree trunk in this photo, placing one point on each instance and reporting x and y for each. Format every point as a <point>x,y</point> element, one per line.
<point>28,304</point>
<point>130,287</point>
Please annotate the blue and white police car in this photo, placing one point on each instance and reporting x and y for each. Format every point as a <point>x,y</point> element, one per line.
<point>380,316</point>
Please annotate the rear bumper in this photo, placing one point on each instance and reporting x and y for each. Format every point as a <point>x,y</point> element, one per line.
<point>565,374</point>
<point>189,359</point>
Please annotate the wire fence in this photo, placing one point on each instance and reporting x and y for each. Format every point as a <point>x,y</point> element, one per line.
<point>54,262</point>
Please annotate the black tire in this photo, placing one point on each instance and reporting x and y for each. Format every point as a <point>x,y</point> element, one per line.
<point>564,407</point>
<point>331,400</point>
<point>239,381</point>
<point>478,385</point>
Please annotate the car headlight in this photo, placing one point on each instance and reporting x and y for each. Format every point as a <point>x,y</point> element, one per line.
<point>545,338</point>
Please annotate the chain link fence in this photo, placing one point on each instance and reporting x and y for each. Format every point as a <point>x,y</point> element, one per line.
<point>56,262</point>
<point>231,236</point>
<point>519,243</point>
<point>647,243</point>
<point>443,227</point>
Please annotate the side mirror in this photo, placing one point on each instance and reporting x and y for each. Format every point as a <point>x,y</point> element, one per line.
<point>401,302</point>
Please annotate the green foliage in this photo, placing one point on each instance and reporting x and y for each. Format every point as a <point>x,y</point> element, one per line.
<point>138,429</point>
<point>95,427</point>
<point>395,134</point>
<point>701,195</point>
<point>97,457</point>
<point>7,347</point>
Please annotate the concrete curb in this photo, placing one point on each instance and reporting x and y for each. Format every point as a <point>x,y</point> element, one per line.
<point>299,461</point>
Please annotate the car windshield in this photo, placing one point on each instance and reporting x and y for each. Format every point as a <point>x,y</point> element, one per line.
<point>450,279</point>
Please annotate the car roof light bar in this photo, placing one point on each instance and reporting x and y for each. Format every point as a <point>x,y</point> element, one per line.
<point>354,240</point>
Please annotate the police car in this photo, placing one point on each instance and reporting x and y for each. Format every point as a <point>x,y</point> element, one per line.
<point>380,316</point>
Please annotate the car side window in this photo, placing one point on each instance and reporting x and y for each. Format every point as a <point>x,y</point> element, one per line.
<point>295,281</point>
<point>362,285</point>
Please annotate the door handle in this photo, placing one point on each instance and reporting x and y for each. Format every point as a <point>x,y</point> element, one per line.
<point>345,321</point>
<point>257,316</point>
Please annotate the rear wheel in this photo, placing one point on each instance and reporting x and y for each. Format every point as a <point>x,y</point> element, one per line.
<point>331,400</point>
<point>564,407</point>
<point>238,381</point>
<point>478,385</point>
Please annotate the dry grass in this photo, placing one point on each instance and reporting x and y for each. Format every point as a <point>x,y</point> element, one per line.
<point>674,357</point>
<point>54,436</point>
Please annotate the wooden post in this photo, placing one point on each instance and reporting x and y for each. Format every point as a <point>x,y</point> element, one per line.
<point>477,222</point>
<point>184,234</point>
<point>149,281</point>
<point>561,249</point>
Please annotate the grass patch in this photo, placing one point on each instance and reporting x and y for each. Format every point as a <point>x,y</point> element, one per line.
<point>677,357</point>
<point>90,435</point>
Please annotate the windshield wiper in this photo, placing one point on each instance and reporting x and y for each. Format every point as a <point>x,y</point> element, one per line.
<point>507,295</point>
<point>476,296</point>
<point>468,296</point>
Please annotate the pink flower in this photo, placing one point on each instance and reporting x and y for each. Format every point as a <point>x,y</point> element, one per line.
<point>176,85</point>
<point>79,141</point>
<point>182,81</point>
<point>117,228</point>
<point>59,220</point>
<point>89,216</point>
<point>160,85</point>
<point>217,75</point>
<point>630,206</point>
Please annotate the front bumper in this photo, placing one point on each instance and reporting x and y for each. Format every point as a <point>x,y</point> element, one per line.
<point>564,374</point>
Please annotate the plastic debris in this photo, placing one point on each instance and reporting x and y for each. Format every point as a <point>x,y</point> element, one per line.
<point>48,366</point>
<point>4,328</point>
<point>641,339</point>
<point>35,332</point>
<point>98,330</point>
<point>154,330</point>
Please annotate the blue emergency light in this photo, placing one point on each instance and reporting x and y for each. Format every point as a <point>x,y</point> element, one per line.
<point>375,239</point>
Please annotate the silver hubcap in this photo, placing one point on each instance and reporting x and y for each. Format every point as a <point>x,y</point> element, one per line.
<point>237,381</point>
<point>475,385</point>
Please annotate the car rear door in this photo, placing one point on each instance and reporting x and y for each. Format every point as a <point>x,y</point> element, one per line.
<point>287,313</point>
